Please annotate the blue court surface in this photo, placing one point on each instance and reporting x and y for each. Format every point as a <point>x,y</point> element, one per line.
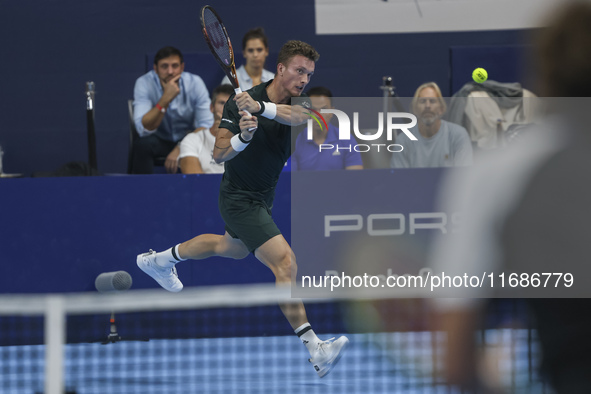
<point>399,362</point>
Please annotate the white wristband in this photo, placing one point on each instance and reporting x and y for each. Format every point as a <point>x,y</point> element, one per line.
<point>238,145</point>
<point>270,110</point>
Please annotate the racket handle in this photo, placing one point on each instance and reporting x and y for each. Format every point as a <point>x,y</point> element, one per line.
<point>238,91</point>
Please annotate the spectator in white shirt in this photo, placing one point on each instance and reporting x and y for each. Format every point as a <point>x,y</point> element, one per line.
<point>196,156</point>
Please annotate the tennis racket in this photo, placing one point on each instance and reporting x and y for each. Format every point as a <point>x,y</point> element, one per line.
<point>218,40</point>
<point>219,43</point>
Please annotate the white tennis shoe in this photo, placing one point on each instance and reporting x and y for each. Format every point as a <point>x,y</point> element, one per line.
<point>327,355</point>
<point>166,277</point>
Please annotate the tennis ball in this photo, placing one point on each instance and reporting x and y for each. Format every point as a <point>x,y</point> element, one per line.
<point>479,75</point>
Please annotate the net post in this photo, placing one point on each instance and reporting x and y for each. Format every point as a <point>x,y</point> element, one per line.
<point>90,104</point>
<point>54,345</point>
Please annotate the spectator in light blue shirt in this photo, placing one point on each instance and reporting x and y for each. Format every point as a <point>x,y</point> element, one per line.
<point>168,104</point>
<point>255,49</point>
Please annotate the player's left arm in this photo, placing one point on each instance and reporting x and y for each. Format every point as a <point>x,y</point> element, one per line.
<point>291,115</point>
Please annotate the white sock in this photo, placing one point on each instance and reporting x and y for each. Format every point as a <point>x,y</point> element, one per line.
<point>169,257</point>
<point>308,337</point>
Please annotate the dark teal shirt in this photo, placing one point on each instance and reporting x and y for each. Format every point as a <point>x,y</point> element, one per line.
<point>257,167</point>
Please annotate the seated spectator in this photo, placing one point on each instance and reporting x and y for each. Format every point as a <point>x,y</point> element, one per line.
<point>439,143</point>
<point>307,154</point>
<point>197,147</point>
<point>255,49</point>
<point>168,103</point>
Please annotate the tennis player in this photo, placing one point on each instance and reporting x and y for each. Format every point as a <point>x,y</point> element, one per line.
<point>254,149</point>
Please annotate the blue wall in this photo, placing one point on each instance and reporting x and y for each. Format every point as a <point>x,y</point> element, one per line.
<point>51,48</point>
<point>59,234</point>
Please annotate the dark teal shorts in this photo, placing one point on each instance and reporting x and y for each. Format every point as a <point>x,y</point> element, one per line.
<point>247,215</point>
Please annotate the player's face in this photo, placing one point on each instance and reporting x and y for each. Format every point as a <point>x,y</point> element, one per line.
<point>428,108</point>
<point>217,106</point>
<point>168,68</point>
<point>319,103</point>
<point>255,53</point>
<point>297,74</point>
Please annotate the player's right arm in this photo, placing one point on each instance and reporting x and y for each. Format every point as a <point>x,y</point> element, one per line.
<point>223,149</point>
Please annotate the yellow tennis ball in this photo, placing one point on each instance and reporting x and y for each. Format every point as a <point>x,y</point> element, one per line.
<point>479,75</point>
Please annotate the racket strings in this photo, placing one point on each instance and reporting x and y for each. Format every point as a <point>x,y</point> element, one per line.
<point>217,37</point>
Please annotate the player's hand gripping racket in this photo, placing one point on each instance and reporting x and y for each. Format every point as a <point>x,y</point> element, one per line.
<point>219,43</point>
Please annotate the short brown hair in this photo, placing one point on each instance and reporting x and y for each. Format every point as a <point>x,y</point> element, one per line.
<point>564,53</point>
<point>293,48</point>
<point>165,52</point>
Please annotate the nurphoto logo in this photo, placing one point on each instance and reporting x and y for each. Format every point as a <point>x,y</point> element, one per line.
<point>391,118</point>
